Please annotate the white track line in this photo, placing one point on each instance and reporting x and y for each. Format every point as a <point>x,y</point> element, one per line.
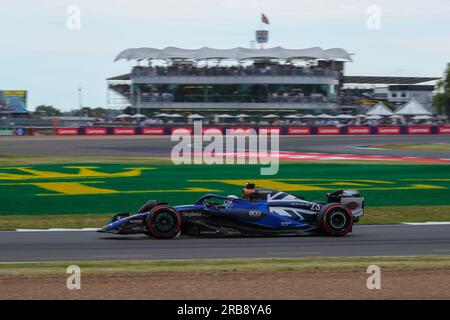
<point>56,230</point>
<point>431,223</point>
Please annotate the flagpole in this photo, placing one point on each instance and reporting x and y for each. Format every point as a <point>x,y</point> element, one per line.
<point>261,45</point>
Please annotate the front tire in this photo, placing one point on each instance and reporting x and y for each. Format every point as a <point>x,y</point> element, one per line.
<point>163,222</point>
<point>148,206</point>
<point>335,220</point>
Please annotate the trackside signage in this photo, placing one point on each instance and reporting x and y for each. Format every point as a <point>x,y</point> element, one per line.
<point>269,130</point>
<point>444,130</point>
<point>124,131</point>
<point>419,130</point>
<point>241,131</point>
<point>153,131</point>
<point>212,130</point>
<point>95,131</point>
<point>67,131</point>
<point>328,130</point>
<point>388,130</point>
<point>299,130</point>
<point>182,130</point>
<point>358,130</point>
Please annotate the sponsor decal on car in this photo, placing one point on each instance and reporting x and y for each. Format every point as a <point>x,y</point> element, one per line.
<point>190,214</point>
<point>254,213</point>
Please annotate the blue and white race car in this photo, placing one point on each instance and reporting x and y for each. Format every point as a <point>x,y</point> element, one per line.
<point>259,212</point>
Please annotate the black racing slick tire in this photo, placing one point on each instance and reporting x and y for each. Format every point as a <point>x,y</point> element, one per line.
<point>163,222</point>
<point>148,206</point>
<point>335,220</point>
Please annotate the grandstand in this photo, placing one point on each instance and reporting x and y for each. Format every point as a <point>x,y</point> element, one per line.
<point>231,79</point>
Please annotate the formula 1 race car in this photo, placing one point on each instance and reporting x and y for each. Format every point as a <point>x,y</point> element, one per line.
<point>260,212</point>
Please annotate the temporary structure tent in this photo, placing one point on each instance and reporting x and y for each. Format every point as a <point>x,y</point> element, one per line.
<point>374,117</point>
<point>138,115</point>
<point>195,116</point>
<point>412,108</point>
<point>344,116</point>
<point>325,116</point>
<point>422,117</point>
<point>379,109</point>
<point>224,116</point>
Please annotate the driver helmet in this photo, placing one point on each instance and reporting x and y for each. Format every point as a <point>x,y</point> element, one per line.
<point>248,190</point>
<point>228,202</point>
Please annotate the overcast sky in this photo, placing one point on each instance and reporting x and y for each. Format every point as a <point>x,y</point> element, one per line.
<point>39,53</point>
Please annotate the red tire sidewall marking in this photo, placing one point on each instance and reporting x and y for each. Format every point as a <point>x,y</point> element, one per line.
<point>349,217</point>
<point>157,234</point>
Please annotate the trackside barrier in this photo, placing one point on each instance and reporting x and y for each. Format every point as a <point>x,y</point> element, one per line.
<point>152,131</point>
<point>419,130</point>
<point>328,130</point>
<point>298,130</point>
<point>67,131</point>
<point>444,130</point>
<point>95,131</point>
<point>124,131</point>
<point>388,130</point>
<point>358,130</point>
<point>285,130</point>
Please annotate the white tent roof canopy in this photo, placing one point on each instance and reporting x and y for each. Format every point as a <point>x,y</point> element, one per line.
<point>412,108</point>
<point>238,53</point>
<point>345,116</point>
<point>123,115</point>
<point>138,115</point>
<point>324,116</point>
<point>195,116</point>
<point>379,109</point>
<point>374,117</point>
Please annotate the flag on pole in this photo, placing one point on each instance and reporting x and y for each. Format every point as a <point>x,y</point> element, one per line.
<point>264,19</point>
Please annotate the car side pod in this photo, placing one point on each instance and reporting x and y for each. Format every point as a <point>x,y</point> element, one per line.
<point>335,220</point>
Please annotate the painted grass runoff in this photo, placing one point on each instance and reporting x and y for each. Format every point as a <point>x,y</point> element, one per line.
<point>417,146</point>
<point>228,265</point>
<point>63,194</point>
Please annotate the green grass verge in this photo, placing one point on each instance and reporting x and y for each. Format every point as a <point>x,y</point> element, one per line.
<point>229,265</point>
<point>374,215</point>
<point>105,188</point>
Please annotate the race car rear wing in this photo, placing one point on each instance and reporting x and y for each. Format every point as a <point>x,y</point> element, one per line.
<point>351,199</point>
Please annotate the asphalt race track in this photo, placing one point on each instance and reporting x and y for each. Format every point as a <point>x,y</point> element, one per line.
<point>375,240</point>
<point>142,146</point>
<point>369,240</point>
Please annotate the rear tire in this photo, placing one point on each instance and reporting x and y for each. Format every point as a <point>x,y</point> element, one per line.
<point>163,222</point>
<point>335,220</point>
